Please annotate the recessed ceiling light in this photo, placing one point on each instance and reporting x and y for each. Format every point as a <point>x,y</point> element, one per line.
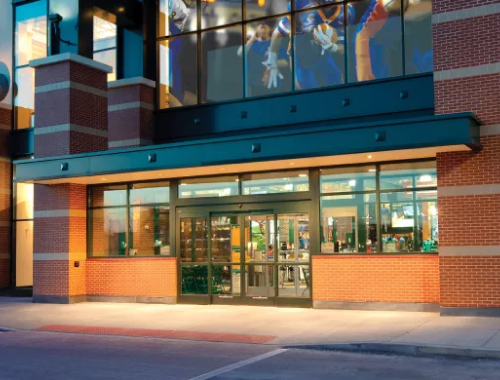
<point>372,170</point>
<point>369,157</point>
<point>303,175</point>
<point>183,184</point>
<point>352,183</point>
<point>292,163</point>
<point>121,9</point>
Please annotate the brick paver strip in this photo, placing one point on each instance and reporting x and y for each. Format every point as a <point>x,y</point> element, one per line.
<point>171,334</point>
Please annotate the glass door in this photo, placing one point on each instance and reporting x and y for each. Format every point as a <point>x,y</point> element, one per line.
<point>245,257</point>
<point>194,264</point>
<point>260,271</point>
<point>225,258</point>
<point>293,256</point>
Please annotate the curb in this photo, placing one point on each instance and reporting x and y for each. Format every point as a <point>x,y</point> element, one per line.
<point>405,349</point>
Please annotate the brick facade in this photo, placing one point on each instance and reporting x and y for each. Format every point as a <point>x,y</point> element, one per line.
<point>5,195</point>
<point>132,277</point>
<point>131,105</point>
<point>60,242</point>
<point>72,106</point>
<point>468,193</point>
<point>376,278</point>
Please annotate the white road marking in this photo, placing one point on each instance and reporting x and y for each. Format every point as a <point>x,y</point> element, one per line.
<point>237,365</point>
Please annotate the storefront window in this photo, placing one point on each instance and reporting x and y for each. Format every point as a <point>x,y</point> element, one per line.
<point>273,183</point>
<point>349,225</point>
<point>408,224</point>
<point>129,220</point>
<point>410,175</point>
<point>349,179</point>
<point>109,232</point>
<point>30,43</point>
<point>335,42</point>
<point>397,214</point>
<point>208,187</point>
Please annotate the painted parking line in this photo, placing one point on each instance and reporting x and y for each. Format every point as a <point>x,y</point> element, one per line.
<point>243,363</point>
<point>166,334</point>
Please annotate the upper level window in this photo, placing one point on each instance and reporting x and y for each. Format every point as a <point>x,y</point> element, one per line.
<point>220,50</point>
<point>105,40</point>
<point>30,43</point>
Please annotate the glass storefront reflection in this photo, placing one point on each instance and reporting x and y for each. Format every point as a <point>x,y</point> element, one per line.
<point>194,279</point>
<point>294,281</point>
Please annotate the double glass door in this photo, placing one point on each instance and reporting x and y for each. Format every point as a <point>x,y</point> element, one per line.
<point>255,258</point>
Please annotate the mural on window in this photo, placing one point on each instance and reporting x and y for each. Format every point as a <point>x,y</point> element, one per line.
<point>305,45</point>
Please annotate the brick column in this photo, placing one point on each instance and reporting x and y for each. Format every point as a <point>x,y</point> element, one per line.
<point>131,105</point>
<point>5,194</point>
<point>71,104</point>
<point>71,117</point>
<point>467,78</point>
<point>60,243</point>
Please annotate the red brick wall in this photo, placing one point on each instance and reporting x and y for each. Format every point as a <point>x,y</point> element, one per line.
<point>457,47</point>
<point>470,281</point>
<point>133,123</point>
<point>141,277</point>
<point>5,197</point>
<point>376,278</point>
<point>468,222</point>
<point>4,273</point>
<point>479,94</point>
<point>440,6</point>
<point>70,106</point>
<point>64,236</point>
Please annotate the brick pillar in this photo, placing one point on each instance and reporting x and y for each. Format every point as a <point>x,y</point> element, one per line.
<point>5,195</point>
<point>60,243</point>
<point>71,104</point>
<point>71,117</point>
<point>467,78</point>
<point>131,105</point>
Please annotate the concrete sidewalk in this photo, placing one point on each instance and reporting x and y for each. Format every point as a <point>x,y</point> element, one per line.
<point>404,332</point>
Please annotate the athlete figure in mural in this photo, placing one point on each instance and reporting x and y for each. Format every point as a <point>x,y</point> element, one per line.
<point>378,29</point>
<point>320,34</point>
<point>178,13</point>
<point>257,51</point>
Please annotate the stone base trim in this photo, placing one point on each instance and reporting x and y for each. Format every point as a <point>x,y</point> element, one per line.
<point>377,306</point>
<point>70,85</point>
<point>132,299</point>
<point>462,14</point>
<point>489,130</point>
<point>132,82</point>
<point>484,250</point>
<point>78,256</point>
<point>466,72</point>
<point>470,311</point>
<point>468,190</point>
<point>59,300</point>
<point>50,60</point>
<point>129,143</point>
<point>131,105</point>
<point>71,128</point>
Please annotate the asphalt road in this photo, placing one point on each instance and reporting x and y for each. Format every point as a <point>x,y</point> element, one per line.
<point>26,355</point>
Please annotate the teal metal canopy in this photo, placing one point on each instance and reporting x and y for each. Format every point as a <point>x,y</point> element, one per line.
<point>310,140</point>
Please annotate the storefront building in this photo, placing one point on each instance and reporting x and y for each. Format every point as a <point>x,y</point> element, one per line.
<point>328,154</point>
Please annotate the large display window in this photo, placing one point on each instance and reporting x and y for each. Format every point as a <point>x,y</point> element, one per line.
<point>212,51</point>
<point>389,208</point>
<point>129,220</point>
